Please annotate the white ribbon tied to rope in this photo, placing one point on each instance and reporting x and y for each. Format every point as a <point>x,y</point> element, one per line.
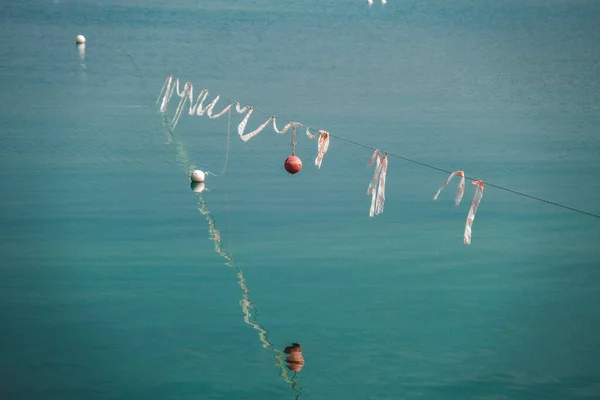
<point>461,186</point>
<point>242,126</point>
<point>474,206</point>
<point>285,128</point>
<point>171,86</point>
<point>376,187</point>
<point>167,92</point>
<point>197,108</point>
<point>322,145</point>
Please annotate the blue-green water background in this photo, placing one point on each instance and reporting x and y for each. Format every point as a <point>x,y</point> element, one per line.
<point>111,289</point>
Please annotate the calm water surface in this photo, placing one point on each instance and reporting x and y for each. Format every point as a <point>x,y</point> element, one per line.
<point>117,281</point>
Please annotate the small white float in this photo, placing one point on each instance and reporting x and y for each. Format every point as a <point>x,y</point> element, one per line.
<point>197,176</point>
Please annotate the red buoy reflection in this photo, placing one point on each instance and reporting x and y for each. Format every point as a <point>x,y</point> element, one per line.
<point>294,360</point>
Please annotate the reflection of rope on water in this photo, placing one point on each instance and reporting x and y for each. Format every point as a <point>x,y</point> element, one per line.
<point>248,307</point>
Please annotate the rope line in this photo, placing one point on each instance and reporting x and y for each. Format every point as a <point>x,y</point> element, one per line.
<point>228,140</point>
<point>226,150</point>
<point>423,164</point>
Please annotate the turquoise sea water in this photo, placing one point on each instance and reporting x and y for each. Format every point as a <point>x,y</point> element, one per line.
<point>110,284</point>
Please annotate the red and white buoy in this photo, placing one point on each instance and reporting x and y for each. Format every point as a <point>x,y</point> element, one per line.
<point>293,164</point>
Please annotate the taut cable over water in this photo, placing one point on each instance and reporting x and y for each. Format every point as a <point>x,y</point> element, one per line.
<point>196,107</point>
<point>246,304</point>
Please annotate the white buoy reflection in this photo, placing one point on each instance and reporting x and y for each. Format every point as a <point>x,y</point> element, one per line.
<point>82,68</point>
<point>198,187</point>
<point>248,308</point>
<point>81,54</point>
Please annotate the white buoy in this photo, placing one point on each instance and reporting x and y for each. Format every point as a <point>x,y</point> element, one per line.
<point>197,176</point>
<point>369,2</point>
<point>383,1</point>
<point>80,39</point>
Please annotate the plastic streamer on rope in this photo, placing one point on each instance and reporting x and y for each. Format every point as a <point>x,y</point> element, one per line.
<point>376,187</point>
<point>322,145</point>
<point>474,206</point>
<point>242,126</point>
<point>246,304</point>
<point>461,186</point>
<point>171,86</point>
<point>196,107</point>
<point>286,127</point>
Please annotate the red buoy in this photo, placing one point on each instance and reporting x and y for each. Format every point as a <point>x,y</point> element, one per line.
<point>293,164</point>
